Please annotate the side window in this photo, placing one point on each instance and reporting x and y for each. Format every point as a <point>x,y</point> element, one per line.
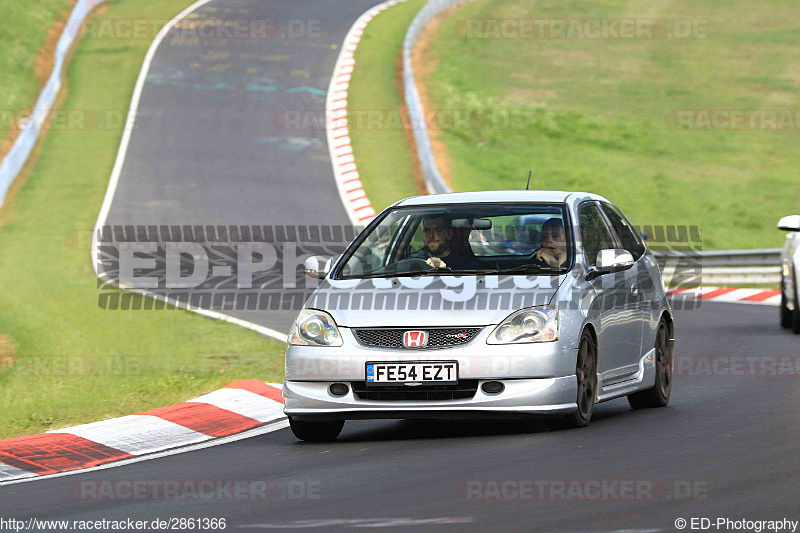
<point>371,254</point>
<point>595,235</point>
<point>631,240</point>
<point>417,239</point>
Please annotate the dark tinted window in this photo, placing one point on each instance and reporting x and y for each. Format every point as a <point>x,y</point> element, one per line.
<point>631,240</point>
<point>595,234</point>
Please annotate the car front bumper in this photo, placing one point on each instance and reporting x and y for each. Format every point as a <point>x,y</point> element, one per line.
<point>313,400</point>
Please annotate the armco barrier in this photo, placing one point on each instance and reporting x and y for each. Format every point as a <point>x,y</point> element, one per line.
<point>18,155</point>
<point>728,267</point>
<point>433,179</point>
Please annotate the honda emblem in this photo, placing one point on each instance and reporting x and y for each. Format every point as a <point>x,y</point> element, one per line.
<point>415,339</point>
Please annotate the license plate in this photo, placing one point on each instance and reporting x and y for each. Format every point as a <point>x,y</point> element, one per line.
<point>423,373</point>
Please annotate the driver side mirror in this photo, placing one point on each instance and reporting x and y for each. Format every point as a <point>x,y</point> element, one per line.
<point>610,260</point>
<point>790,223</point>
<point>317,266</point>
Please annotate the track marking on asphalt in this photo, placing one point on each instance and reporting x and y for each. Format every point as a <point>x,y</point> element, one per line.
<point>113,181</point>
<point>364,522</point>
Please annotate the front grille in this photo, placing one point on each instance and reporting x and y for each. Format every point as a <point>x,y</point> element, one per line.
<point>463,390</point>
<point>393,337</point>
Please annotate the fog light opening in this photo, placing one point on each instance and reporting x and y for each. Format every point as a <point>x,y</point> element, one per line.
<point>339,389</point>
<point>493,387</point>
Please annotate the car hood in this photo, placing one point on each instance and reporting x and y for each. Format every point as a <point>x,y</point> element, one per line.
<point>432,300</point>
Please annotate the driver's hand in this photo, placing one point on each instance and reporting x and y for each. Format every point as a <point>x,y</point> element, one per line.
<point>548,257</point>
<point>435,262</point>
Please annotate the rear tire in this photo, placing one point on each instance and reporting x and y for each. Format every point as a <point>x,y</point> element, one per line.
<point>324,431</point>
<point>586,373</point>
<point>658,395</point>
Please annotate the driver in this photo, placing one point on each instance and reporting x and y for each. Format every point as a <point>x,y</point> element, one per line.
<point>438,253</point>
<point>553,252</point>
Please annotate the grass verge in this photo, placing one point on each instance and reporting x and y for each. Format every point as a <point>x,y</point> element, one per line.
<point>375,109</point>
<point>600,114</point>
<point>28,32</point>
<point>63,360</point>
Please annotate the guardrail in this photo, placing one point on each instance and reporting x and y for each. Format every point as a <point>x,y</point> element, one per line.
<point>723,267</point>
<point>16,158</point>
<point>433,179</point>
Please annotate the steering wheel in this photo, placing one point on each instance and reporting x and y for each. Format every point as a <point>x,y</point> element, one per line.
<point>412,264</point>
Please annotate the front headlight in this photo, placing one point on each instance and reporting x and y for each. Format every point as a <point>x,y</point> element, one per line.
<point>535,324</point>
<point>314,328</point>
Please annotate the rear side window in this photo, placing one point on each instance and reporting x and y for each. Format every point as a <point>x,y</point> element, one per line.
<point>595,234</point>
<point>631,240</point>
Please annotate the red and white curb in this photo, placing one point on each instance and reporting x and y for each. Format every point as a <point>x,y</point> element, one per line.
<point>348,182</point>
<point>728,295</point>
<point>239,406</point>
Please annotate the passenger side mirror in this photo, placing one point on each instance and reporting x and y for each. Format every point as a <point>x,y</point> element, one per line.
<point>610,260</point>
<point>790,223</point>
<point>317,266</point>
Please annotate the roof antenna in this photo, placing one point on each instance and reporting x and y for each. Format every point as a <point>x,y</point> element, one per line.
<point>529,180</point>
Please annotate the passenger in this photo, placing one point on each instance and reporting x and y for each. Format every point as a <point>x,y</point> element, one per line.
<point>438,251</point>
<point>553,252</point>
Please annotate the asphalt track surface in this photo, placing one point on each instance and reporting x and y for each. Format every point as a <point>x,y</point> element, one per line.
<point>211,144</point>
<point>726,446</point>
<point>207,151</point>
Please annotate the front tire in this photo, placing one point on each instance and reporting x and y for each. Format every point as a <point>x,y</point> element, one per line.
<point>586,373</point>
<point>795,322</point>
<point>658,395</point>
<point>324,431</point>
<point>786,314</point>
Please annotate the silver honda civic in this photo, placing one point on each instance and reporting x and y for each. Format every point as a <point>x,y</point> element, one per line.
<point>481,305</point>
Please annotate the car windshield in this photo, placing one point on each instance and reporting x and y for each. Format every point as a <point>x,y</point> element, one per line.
<point>460,239</point>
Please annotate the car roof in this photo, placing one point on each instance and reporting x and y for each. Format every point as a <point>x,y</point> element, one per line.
<point>500,197</point>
